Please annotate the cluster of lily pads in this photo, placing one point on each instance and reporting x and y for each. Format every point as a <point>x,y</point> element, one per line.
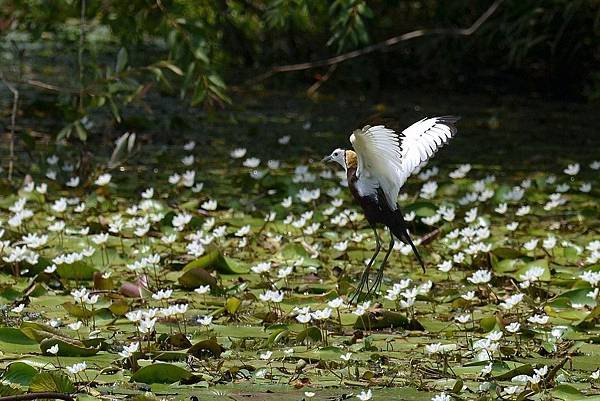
<point>234,274</point>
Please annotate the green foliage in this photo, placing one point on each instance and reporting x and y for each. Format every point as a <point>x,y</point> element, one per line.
<point>151,327</point>
<point>161,373</point>
<point>348,23</point>
<point>56,382</point>
<point>190,49</point>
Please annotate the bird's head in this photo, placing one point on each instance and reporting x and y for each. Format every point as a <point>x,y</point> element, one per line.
<point>338,155</point>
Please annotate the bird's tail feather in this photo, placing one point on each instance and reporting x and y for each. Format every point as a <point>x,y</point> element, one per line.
<point>398,228</point>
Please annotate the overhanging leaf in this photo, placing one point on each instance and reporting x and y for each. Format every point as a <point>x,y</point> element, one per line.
<point>196,277</point>
<point>214,260</point>
<point>68,348</point>
<point>52,382</point>
<point>19,373</point>
<point>206,348</point>
<point>161,373</point>
<point>76,271</point>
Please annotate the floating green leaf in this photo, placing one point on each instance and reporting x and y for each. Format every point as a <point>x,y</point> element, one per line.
<point>161,373</point>
<point>57,382</point>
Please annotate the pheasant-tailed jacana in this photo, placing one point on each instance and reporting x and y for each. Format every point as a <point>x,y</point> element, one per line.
<point>380,164</point>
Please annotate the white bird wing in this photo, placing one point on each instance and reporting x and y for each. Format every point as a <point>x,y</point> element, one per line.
<point>386,159</point>
<point>379,161</point>
<point>422,139</point>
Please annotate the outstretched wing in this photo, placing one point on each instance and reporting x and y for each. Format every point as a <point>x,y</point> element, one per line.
<point>379,161</point>
<point>386,159</point>
<point>422,139</point>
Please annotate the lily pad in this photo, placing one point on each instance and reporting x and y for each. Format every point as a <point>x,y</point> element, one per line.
<point>161,373</point>
<point>67,348</point>
<point>19,373</point>
<point>56,382</point>
<point>214,260</point>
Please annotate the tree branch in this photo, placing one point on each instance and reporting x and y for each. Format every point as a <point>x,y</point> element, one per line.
<point>13,122</point>
<point>382,45</point>
<point>38,396</point>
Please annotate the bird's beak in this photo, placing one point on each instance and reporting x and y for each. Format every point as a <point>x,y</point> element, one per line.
<point>326,159</point>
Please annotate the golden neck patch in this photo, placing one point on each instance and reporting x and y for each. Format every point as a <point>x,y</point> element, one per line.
<point>351,159</point>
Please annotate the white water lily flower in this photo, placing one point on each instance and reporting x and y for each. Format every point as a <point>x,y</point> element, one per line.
<point>512,226</point>
<point>174,179</point>
<point>75,326</point>
<point>460,172</point>
<point>180,220</point>
<point>209,205</point>
<point>502,208</point>
<point>187,160</point>
<point>532,274</point>
<point>203,289</point>
<point>512,301</point>
<point>463,318</point>
<point>100,239</point>
<point>531,244</point>
<point>188,178</point>
<point>549,243</point>
<point>252,162</point>
<point>487,369</point>
<point>103,179</point>
<point>471,215</point>
<point>73,182</point>
<point>285,271</point>
<point>591,277</point>
<point>445,266</point>
<point>238,153</point>
<point>572,169</point>
<point>129,350</point>
<point>441,397</point>
<point>50,269</point>
<point>513,327</point>
<point>42,188</point>
<point>53,350</point>
<point>336,303</point>
<point>539,319</point>
<point>266,355</point>
<point>429,189</point>
<point>304,318</point>
<point>286,202</point>
<point>59,205</point>
<point>162,294</point>
<point>468,296</point>
<point>189,146</point>
<point>261,267</point>
<point>76,368</point>
<point>365,396</point>
<point>480,277</point>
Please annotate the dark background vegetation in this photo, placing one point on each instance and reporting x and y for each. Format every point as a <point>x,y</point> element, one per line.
<point>90,69</point>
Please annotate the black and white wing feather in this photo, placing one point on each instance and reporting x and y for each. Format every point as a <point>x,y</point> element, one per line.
<point>422,139</point>
<point>386,159</point>
<point>379,161</point>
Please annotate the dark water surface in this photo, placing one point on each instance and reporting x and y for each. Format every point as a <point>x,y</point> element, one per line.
<point>510,132</point>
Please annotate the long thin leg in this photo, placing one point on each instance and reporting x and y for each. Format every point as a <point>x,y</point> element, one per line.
<point>414,248</point>
<point>407,240</point>
<point>379,277</point>
<point>364,279</point>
